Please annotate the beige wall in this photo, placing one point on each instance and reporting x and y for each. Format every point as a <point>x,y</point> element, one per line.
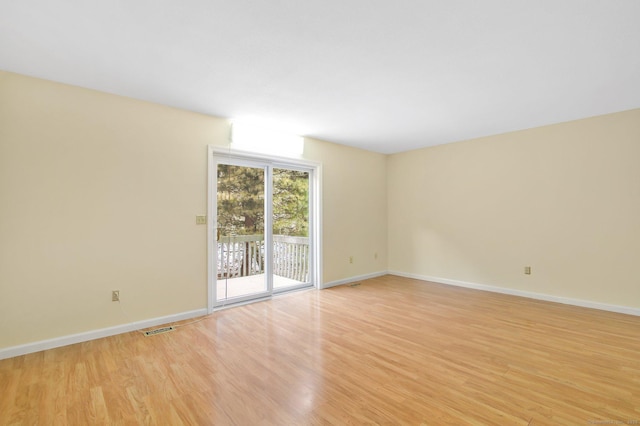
<point>564,199</point>
<point>355,210</point>
<point>100,192</point>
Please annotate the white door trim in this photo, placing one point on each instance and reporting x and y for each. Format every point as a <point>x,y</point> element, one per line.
<point>315,198</point>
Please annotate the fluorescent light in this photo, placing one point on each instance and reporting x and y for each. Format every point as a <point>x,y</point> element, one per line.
<point>256,136</point>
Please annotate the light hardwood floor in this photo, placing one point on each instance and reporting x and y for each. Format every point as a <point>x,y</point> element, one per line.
<point>389,351</point>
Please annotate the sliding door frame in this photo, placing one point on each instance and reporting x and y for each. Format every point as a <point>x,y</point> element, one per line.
<point>218,155</point>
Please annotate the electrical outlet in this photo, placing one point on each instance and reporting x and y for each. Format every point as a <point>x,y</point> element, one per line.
<point>115,296</point>
<point>527,270</point>
<point>375,255</point>
<point>350,259</point>
<point>201,220</point>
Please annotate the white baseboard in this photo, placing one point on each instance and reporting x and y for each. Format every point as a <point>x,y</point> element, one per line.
<point>531,295</point>
<point>124,328</point>
<point>354,279</point>
<point>95,334</point>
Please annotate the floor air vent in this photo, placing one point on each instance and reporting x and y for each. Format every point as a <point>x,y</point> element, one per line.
<point>159,331</point>
<point>354,285</point>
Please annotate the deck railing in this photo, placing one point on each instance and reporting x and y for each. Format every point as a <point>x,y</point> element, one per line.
<point>243,255</point>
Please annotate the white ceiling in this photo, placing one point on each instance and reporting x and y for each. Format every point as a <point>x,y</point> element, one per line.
<point>382,75</point>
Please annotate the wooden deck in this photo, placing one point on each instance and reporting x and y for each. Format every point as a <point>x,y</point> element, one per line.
<point>389,351</point>
<point>242,286</point>
<point>243,255</point>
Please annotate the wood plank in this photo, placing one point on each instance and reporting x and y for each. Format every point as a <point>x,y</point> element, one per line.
<point>389,351</point>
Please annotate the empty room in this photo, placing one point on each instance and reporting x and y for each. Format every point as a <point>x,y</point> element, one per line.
<point>319,212</point>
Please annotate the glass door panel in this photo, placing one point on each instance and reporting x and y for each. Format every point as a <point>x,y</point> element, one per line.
<point>240,231</point>
<point>291,248</point>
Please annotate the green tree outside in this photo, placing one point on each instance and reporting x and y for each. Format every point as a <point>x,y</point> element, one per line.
<point>241,201</point>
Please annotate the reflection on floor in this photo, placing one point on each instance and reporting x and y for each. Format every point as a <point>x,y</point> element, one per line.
<point>243,286</point>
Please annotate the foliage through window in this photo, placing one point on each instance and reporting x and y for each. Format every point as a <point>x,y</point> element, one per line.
<point>241,201</point>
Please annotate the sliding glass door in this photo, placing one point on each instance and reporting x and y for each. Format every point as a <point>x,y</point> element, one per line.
<point>262,229</point>
<point>290,228</point>
<point>240,232</point>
